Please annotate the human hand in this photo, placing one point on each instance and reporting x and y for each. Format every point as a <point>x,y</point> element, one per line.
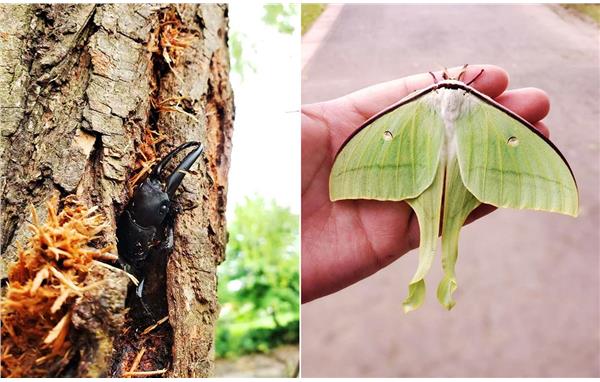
<point>346,241</point>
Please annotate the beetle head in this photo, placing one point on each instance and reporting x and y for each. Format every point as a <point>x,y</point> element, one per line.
<point>152,199</point>
<point>150,204</point>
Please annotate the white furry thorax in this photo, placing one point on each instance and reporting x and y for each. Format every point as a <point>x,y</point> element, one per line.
<point>450,104</point>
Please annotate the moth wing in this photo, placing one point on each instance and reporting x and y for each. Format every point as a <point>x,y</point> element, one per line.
<point>394,156</point>
<point>505,162</point>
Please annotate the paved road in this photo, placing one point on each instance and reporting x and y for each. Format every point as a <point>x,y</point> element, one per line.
<point>529,295</point>
<point>281,362</point>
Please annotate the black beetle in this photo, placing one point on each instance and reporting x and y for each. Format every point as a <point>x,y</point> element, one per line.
<point>145,234</point>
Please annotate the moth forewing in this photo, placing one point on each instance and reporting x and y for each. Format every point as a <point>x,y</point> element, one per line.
<point>392,157</point>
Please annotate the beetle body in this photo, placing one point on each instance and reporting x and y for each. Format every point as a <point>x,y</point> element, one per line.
<point>145,234</point>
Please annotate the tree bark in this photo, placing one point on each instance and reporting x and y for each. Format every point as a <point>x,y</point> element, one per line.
<point>80,87</point>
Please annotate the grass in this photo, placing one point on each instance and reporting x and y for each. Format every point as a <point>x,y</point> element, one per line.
<point>590,10</point>
<point>310,13</point>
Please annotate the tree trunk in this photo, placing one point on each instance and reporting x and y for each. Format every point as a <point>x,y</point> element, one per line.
<point>83,88</point>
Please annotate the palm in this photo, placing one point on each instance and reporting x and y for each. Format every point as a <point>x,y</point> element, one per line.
<point>345,241</point>
<point>361,235</point>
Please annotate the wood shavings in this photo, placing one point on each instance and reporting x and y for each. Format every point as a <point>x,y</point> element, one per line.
<point>154,326</point>
<point>43,285</point>
<point>144,373</point>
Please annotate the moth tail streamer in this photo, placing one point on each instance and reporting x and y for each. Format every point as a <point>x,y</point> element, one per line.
<point>427,207</point>
<point>445,291</point>
<point>458,204</point>
<point>416,296</point>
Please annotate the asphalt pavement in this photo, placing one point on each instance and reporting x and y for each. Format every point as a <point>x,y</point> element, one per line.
<point>528,302</point>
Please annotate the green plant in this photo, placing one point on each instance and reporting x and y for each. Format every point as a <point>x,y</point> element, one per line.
<point>310,13</point>
<point>590,10</point>
<point>281,16</point>
<point>259,281</point>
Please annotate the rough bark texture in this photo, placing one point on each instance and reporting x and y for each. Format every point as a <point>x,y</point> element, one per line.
<point>78,86</point>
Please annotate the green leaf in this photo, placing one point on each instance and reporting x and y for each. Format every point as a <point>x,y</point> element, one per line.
<point>239,61</point>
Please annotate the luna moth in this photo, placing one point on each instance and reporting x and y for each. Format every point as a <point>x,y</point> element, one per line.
<point>445,150</point>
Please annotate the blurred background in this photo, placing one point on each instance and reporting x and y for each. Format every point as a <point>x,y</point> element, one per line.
<point>529,282</point>
<point>258,329</point>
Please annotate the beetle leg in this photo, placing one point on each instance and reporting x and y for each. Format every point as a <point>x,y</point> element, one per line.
<point>167,244</point>
<point>139,289</point>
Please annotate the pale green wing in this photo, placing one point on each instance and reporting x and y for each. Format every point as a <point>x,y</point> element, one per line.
<point>393,157</point>
<point>397,156</point>
<point>458,204</point>
<point>505,163</point>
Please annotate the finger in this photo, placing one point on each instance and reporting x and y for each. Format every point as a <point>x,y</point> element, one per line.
<point>530,103</point>
<point>542,128</point>
<point>480,212</point>
<point>369,101</point>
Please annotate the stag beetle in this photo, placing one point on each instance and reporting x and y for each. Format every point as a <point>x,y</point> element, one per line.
<point>145,234</point>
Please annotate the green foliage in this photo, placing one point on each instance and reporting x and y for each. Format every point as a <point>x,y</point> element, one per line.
<point>310,13</point>
<point>259,281</point>
<point>233,342</point>
<point>590,10</point>
<point>239,63</point>
<point>281,16</point>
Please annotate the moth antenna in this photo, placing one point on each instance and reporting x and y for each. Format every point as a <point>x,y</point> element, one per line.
<point>476,77</point>
<point>435,81</point>
<point>462,72</point>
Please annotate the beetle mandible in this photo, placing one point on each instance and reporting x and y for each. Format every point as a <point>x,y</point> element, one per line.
<point>145,234</point>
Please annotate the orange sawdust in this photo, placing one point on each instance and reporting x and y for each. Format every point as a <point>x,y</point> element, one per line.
<point>137,360</point>
<point>43,286</point>
<point>175,105</point>
<point>146,157</point>
<point>155,325</point>
<point>165,43</point>
<point>144,373</point>
<point>170,38</point>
